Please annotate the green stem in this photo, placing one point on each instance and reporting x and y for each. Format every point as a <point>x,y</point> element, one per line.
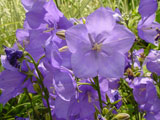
<point>27,93</point>
<point>99,92</point>
<point>40,81</point>
<point>78,83</point>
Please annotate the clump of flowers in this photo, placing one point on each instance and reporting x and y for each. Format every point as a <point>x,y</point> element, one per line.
<point>84,71</point>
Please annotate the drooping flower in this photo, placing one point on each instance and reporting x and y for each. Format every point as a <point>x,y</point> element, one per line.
<point>98,46</point>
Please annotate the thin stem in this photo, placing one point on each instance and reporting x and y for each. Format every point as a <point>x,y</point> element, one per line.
<point>78,83</point>
<point>40,81</point>
<point>27,93</point>
<point>99,92</point>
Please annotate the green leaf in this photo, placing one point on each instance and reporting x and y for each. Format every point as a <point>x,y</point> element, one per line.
<point>1,107</point>
<point>158,16</point>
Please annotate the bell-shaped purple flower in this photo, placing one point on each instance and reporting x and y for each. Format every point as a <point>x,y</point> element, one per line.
<point>144,90</point>
<point>149,30</point>
<point>12,81</point>
<point>83,105</point>
<point>98,46</point>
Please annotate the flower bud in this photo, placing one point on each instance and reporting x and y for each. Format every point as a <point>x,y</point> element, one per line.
<point>122,116</point>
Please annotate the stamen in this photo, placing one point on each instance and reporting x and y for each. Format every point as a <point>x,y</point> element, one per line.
<point>49,29</point>
<point>89,97</point>
<point>97,47</point>
<point>61,34</point>
<point>63,49</point>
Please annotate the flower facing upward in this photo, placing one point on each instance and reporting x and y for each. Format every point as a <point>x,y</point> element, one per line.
<point>98,46</point>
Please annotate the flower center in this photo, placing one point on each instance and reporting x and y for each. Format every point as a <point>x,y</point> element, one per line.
<point>97,47</point>
<point>48,29</point>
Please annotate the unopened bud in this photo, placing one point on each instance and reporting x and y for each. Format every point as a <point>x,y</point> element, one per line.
<point>105,111</point>
<point>61,34</point>
<point>122,116</point>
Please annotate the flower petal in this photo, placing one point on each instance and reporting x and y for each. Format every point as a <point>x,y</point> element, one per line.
<point>84,65</point>
<point>11,84</point>
<point>63,83</point>
<point>99,21</point>
<point>121,40</point>
<point>111,66</point>
<point>76,36</point>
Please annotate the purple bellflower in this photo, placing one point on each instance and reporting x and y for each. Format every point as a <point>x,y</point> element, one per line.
<point>153,113</point>
<point>12,81</point>
<point>83,104</point>
<point>144,91</point>
<point>43,20</point>
<point>59,78</point>
<point>153,61</point>
<point>145,94</point>
<point>148,29</point>
<point>98,46</point>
